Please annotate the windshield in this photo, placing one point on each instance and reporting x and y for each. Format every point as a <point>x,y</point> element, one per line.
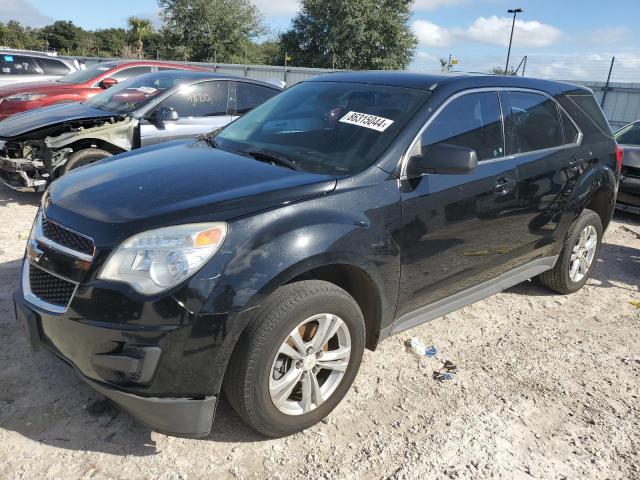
<point>326,127</point>
<point>629,135</point>
<point>83,76</point>
<point>136,92</point>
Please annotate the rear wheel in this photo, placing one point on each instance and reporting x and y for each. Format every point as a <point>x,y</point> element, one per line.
<point>297,361</point>
<point>578,256</point>
<point>85,157</point>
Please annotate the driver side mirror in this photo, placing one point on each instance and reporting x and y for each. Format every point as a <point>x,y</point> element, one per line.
<point>161,115</point>
<point>441,158</point>
<point>108,82</point>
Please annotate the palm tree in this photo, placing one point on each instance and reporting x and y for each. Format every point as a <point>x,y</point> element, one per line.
<point>141,28</point>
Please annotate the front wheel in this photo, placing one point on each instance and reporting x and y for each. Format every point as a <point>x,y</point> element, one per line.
<point>85,157</point>
<point>578,256</point>
<point>297,361</point>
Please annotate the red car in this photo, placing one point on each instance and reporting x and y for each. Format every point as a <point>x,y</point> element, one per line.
<point>77,86</point>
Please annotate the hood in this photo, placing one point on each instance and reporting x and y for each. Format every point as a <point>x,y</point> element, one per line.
<point>174,183</point>
<point>40,118</point>
<point>31,87</point>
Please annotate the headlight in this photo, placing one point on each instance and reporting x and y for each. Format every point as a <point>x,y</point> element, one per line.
<point>156,260</point>
<point>25,97</point>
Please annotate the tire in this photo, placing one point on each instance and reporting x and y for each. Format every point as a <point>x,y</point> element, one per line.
<point>252,368</point>
<point>85,157</point>
<point>560,278</point>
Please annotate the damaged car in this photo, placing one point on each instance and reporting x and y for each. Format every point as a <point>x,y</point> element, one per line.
<point>39,146</point>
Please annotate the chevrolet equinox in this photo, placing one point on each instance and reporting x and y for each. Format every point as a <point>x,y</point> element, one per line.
<point>262,259</point>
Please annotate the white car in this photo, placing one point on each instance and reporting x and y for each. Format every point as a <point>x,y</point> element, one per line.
<point>20,66</point>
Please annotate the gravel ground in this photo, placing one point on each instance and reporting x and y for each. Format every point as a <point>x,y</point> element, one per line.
<point>547,387</point>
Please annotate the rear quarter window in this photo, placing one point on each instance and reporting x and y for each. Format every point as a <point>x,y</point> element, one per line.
<point>592,112</point>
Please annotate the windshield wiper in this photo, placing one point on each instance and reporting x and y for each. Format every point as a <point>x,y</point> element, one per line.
<point>273,158</point>
<point>208,137</point>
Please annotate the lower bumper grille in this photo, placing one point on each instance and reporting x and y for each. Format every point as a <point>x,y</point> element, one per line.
<point>48,290</point>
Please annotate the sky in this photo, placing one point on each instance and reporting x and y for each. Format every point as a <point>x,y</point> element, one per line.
<point>563,39</point>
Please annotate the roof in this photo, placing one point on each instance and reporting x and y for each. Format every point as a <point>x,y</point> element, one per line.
<point>191,75</point>
<point>431,81</point>
<point>159,63</point>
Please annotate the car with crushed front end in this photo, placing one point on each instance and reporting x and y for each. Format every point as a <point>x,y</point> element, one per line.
<point>40,145</point>
<point>349,208</point>
<point>77,86</point>
<point>629,192</point>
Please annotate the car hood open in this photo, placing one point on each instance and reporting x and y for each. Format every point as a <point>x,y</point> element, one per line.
<point>174,183</point>
<point>41,118</point>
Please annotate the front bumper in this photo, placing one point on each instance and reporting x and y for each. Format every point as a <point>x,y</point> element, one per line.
<point>14,174</point>
<point>77,345</point>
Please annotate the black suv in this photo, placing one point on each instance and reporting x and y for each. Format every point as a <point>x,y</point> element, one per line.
<point>348,208</point>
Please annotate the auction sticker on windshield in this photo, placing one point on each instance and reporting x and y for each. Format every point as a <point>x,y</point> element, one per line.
<point>365,120</point>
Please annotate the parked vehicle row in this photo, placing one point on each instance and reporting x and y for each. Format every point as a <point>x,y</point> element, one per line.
<point>42,144</point>
<point>263,258</point>
<point>77,86</point>
<point>19,66</point>
<point>629,195</point>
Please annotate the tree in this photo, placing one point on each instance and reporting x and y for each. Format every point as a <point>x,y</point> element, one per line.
<point>362,34</point>
<point>141,28</point>
<point>212,30</point>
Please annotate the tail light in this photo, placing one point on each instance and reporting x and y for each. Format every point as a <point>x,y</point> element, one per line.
<point>619,155</point>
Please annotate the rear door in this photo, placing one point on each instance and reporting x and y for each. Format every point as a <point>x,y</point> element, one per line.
<point>459,230</point>
<point>544,144</point>
<point>201,108</point>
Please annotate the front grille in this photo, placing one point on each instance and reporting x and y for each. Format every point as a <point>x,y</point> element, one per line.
<point>66,237</point>
<point>49,288</point>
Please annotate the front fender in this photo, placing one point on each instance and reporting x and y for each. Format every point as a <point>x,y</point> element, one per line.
<point>267,250</point>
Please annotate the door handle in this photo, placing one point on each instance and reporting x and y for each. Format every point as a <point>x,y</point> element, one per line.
<point>504,186</point>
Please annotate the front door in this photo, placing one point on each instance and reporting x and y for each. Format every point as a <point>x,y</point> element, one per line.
<point>460,230</point>
<point>201,108</point>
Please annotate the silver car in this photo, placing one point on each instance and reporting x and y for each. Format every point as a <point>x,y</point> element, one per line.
<point>39,145</point>
<point>20,66</point>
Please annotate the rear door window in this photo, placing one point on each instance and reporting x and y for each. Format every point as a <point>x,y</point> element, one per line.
<point>19,65</point>
<point>248,96</point>
<point>131,72</point>
<point>51,66</point>
<point>535,122</point>
<point>472,121</point>
<point>206,99</point>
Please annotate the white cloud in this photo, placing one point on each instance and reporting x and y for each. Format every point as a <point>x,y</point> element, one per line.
<point>277,8</point>
<point>496,30</point>
<point>24,12</point>
<point>493,30</point>
<point>432,35</point>
<point>422,5</point>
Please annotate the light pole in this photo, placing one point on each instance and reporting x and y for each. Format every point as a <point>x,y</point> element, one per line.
<point>515,12</point>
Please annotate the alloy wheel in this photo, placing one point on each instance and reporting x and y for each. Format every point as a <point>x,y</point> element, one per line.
<point>583,253</point>
<point>310,364</point>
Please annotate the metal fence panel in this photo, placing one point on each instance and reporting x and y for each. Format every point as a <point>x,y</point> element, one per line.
<point>622,104</point>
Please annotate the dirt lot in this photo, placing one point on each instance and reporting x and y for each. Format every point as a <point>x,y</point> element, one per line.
<point>547,387</point>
